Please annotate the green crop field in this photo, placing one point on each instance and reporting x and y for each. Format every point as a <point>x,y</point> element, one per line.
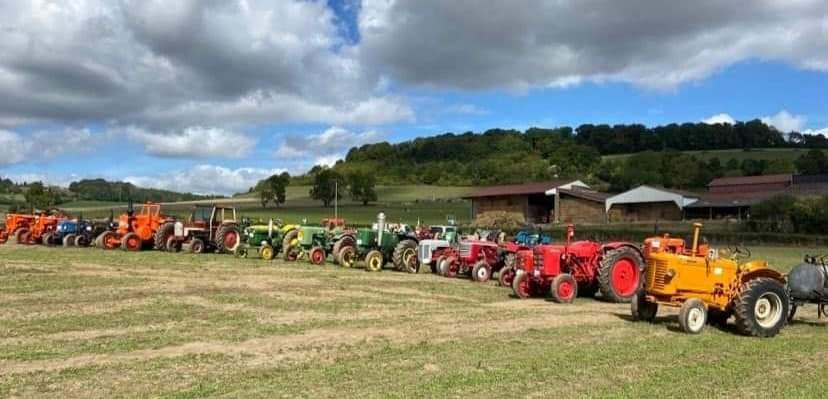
<point>768,154</point>
<point>85,323</point>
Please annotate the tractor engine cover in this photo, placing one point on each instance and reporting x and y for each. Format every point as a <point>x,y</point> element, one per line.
<point>807,281</point>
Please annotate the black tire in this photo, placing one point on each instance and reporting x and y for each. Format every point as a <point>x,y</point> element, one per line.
<point>693,316</point>
<point>771,293</point>
<point>505,276</point>
<point>172,245</point>
<point>221,237</point>
<point>564,288</point>
<point>403,252</point>
<point>69,240</point>
<point>347,256</point>
<point>716,317</point>
<point>374,261</point>
<point>267,252</point>
<point>610,261</point>
<point>522,286</point>
<point>317,256</point>
<point>481,272</point>
<point>20,235</point>
<point>792,312</point>
<point>289,254</point>
<point>342,242</point>
<point>641,309</point>
<point>197,246</point>
<point>125,239</point>
<point>47,239</point>
<point>81,241</point>
<point>435,265</point>
<point>164,232</point>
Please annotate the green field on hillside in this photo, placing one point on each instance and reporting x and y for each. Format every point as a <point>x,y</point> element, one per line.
<point>768,154</point>
<point>85,323</point>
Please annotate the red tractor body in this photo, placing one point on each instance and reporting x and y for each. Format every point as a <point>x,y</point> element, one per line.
<point>15,223</point>
<point>587,266</point>
<point>479,258</point>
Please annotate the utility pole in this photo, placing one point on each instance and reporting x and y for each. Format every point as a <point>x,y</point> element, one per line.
<point>336,199</point>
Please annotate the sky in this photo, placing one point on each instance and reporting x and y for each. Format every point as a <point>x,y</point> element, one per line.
<point>211,96</point>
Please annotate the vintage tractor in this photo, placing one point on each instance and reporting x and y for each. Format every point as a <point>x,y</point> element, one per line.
<point>808,283</point>
<point>266,239</point>
<point>317,242</point>
<point>135,231</point>
<point>77,232</point>
<point>587,266</point>
<point>524,240</point>
<point>710,285</point>
<point>380,244</point>
<point>442,238</point>
<point>16,225</point>
<point>42,228</point>
<point>479,259</point>
<point>209,228</point>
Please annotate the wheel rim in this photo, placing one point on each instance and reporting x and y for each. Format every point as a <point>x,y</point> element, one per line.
<point>347,258</point>
<point>133,243</point>
<point>523,287</point>
<point>407,255</point>
<point>375,263</point>
<point>267,253</point>
<point>507,277</point>
<point>482,274</point>
<point>230,240</point>
<point>565,290</point>
<point>695,319</point>
<point>625,277</point>
<point>317,257</point>
<point>768,310</point>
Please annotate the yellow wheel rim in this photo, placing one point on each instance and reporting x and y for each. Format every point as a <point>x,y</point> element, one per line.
<point>267,253</point>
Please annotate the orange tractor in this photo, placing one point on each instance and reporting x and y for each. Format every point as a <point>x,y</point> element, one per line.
<point>16,225</point>
<point>41,229</point>
<point>135,230</point>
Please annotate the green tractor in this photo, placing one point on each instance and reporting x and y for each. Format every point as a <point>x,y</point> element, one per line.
<point>266,239</point>
<point>318,242</point>
<point>381,244</point>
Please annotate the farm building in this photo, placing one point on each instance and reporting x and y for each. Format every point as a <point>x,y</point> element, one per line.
<point>645,203</point>
<point>529,199</point>
<point>745,184</point>
<point>579,205</point>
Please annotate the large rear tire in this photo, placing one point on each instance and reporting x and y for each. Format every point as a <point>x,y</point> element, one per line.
<point>21,236</point>
<point>405,256</point>
<point>619,274</point>
<point>344,241</point>
<point>289,248</point>
<point>228,238</point>
<point>164,232</point>
<point>131,242</point>
<point>762,307</point>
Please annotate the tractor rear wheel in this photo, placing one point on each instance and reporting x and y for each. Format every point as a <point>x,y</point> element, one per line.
<point>21,235</point>
<point>164,232</point>
<point>197,246</point>
<point>505,276</point>
<point>81,241</point>
<point>289,246</point>
<point>619,274</point>
<point>374,261</point>
<point>69,240</point>
<point>522,285</point>
<point>341,243</point>
<point>641,309</point>
<point>228,238</point>
<point>317,256</point>
<point>762,307</point>
<point>347,256</point>
<point>692,316</point>
<point>564,288</point>
<point>131,242</point>
<point>267,252</point>
<point>405,256</point>
<point>481,272</point>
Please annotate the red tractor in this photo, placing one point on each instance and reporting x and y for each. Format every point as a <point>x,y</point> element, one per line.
<point>16,225</point>
<point>135,230</point>
<point>614,268</point>
<point>42,229</point>
<point>478,258</point>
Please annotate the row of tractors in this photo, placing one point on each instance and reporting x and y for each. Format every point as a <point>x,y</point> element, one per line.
<point>709,286</point>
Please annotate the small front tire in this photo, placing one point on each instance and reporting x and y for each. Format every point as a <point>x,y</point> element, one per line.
<point>693,316</point>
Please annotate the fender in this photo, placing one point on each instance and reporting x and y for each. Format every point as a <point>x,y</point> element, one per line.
<point>755,269</point>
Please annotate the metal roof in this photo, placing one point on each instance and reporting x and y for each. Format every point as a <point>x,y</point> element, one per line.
<point>518,189</point>
<point>589,195</point>
<point>648,194</point>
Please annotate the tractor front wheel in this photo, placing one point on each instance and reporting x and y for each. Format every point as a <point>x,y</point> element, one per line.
<point>405,256</point>
<point>481,272</point>
<point>619,274</point>
<point>267,252</point>
<point>374,261</point>
<point>172,244</point>
<point>342,243</point>
<point>450,267</point>
<point>47,239</point>
<point>317,256</point>
<point>762,307</point>
<point>522,285</point>
<point>437,265</point>
<point>564,288</point>
<point>197,246</point>
<point>108,240</point>
<point>131,242</point>
<point>641,309</point>
<point>69,240</point>
<point>347,256</point>
<point>506,276</point>
<point>692,316</point>
<point>81,241</point>
<point>21,236</point>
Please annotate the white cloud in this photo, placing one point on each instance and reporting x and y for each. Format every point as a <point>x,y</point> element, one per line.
<point>194,142</point>
<point>823,131</point>
<point>206,179</point>
<point>45,145</point>
<point>328,146</point>
<point>785,122</point>
<point>722,118</point>
<point>465,109</point>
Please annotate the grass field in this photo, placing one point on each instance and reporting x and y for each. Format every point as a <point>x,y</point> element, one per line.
<point>768,154</point>
<point>86,323</point>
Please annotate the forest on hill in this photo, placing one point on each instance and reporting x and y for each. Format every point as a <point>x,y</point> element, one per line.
<point>500,156</point>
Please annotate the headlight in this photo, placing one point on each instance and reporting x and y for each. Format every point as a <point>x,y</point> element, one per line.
<point>359,242</point>
<point>88,228</point>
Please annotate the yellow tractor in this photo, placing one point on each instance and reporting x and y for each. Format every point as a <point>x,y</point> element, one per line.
<point>710,286</point>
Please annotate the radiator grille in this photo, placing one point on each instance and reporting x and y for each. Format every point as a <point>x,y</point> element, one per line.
<point>657,269</point>
<point>465,250</point>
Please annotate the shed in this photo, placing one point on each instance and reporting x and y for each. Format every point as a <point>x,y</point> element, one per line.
<point>646,203</point>
<point>743,184</point>
<point>578,204</point>
<point>529,199</point>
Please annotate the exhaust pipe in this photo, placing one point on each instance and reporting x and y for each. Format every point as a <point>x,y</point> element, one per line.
<point>380,227</point>
<point>696,230</point>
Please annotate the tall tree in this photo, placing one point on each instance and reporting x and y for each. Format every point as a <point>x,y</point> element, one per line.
<point>362,185</point>
<point>812,162</point>
<point>327,183</point>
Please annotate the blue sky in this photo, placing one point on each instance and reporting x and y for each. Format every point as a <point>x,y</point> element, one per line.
<point>211,98</point>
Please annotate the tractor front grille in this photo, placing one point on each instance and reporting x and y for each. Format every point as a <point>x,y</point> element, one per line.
<point>424,252</point>
<point>465,250</point>
<point>656,270</point>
